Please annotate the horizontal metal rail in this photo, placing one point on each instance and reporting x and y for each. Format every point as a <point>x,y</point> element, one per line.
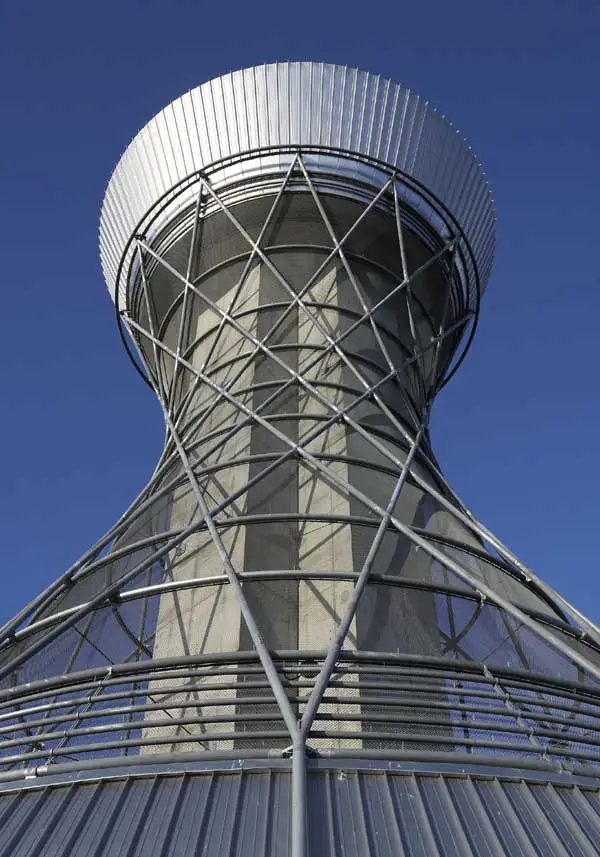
<point>423,703</point>
<point>338,682</point>
<point>397,582</point>
<point>393,718</point>
<point>388,663</point>
<point>272,736</point>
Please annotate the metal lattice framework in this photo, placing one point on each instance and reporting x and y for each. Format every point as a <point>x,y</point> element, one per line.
<point>282,372</point>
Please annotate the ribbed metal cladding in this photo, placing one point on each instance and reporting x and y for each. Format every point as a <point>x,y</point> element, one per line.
<point>356,813</point>
<point>287,104</point>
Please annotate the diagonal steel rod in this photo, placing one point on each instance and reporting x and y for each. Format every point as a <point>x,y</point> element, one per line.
<point>306,439</point>
<point>136,507</point>
<point>462,514</point>
<point>99,599</point>
<point>294,375</point>
<point>311,280</point>
<point>590,628</point>
<point>295,298</point>
<point>188,275</point>
<point>408,293</point>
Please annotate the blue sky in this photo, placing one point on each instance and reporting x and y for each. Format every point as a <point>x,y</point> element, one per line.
<point>515,430</point>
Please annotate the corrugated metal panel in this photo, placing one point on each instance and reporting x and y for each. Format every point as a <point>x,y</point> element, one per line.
<point>304,104</point>
<point>351,813</point>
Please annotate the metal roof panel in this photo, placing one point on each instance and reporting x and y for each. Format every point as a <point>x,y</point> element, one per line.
<point>357,813</point>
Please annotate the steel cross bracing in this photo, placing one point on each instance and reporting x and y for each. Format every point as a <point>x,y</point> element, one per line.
<point>44,622</point>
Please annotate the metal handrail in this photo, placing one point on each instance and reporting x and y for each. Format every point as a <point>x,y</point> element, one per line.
<point>375,690</point>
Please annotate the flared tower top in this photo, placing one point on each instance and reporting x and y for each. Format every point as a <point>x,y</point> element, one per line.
<point>250,122</point>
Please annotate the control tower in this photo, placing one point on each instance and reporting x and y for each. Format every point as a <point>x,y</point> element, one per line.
<point>297,639</point>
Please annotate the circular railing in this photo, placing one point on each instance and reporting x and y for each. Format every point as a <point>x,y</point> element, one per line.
<point>219,706</point>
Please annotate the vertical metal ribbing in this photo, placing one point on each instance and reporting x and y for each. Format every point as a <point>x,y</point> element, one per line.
<point>299,798</point>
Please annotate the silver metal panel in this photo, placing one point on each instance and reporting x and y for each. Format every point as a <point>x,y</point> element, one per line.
<point>304,104</point>
<point>355,813</point>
